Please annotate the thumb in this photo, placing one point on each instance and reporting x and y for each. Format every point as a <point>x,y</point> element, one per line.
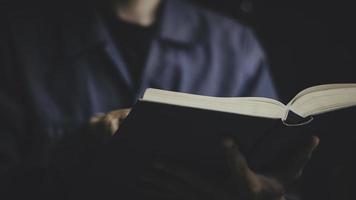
<point>296,166</point>
<point>245,179</point>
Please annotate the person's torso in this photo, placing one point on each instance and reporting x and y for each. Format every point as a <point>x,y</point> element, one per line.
<point>71,69</point>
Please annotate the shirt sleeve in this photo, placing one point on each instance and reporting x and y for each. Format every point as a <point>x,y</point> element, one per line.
<point>259,82</point>
<point>263,85</point>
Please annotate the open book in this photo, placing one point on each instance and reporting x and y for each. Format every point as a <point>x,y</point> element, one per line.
<point>187,130</point>
<point>311,101</point>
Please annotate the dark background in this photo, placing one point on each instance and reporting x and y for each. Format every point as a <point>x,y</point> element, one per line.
<point>309,43</point>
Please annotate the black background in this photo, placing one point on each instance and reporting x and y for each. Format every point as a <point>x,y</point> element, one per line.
<point>309,43</point>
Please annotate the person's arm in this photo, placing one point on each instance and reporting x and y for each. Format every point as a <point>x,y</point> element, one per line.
<point>259,81</point>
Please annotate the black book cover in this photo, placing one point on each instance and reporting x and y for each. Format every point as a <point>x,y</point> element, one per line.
<point>176,132</point>
<point>189,138</point>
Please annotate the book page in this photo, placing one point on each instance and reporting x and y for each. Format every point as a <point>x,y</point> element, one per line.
<point>323,98</point>
<point>252,106</point>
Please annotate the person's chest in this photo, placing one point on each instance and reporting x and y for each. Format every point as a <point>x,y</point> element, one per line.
<point>75,88</point>
<point>67,81</point>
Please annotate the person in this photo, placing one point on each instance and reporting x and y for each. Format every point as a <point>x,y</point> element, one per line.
<point>63,66</point>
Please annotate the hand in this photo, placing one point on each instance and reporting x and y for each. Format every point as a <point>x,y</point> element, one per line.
<point>110,122</point>
<point>171,182</point>
<point>257,186</point>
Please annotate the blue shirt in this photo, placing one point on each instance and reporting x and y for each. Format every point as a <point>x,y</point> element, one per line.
<point>60,69</point>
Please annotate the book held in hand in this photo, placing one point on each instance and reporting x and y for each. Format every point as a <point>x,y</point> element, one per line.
<point>309,102</point>
<point>187,130</point>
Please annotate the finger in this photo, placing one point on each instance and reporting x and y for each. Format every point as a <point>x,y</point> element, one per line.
<point>113,119</point>
<point>121,113</point>
<point>297,165</point>
<point>270,188</point>
<point>101,117</point>
<point>96,118</point>
<point>124,115</point>
<point>104,123</point>
<point>245,178</point>
<point>114,125</point>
